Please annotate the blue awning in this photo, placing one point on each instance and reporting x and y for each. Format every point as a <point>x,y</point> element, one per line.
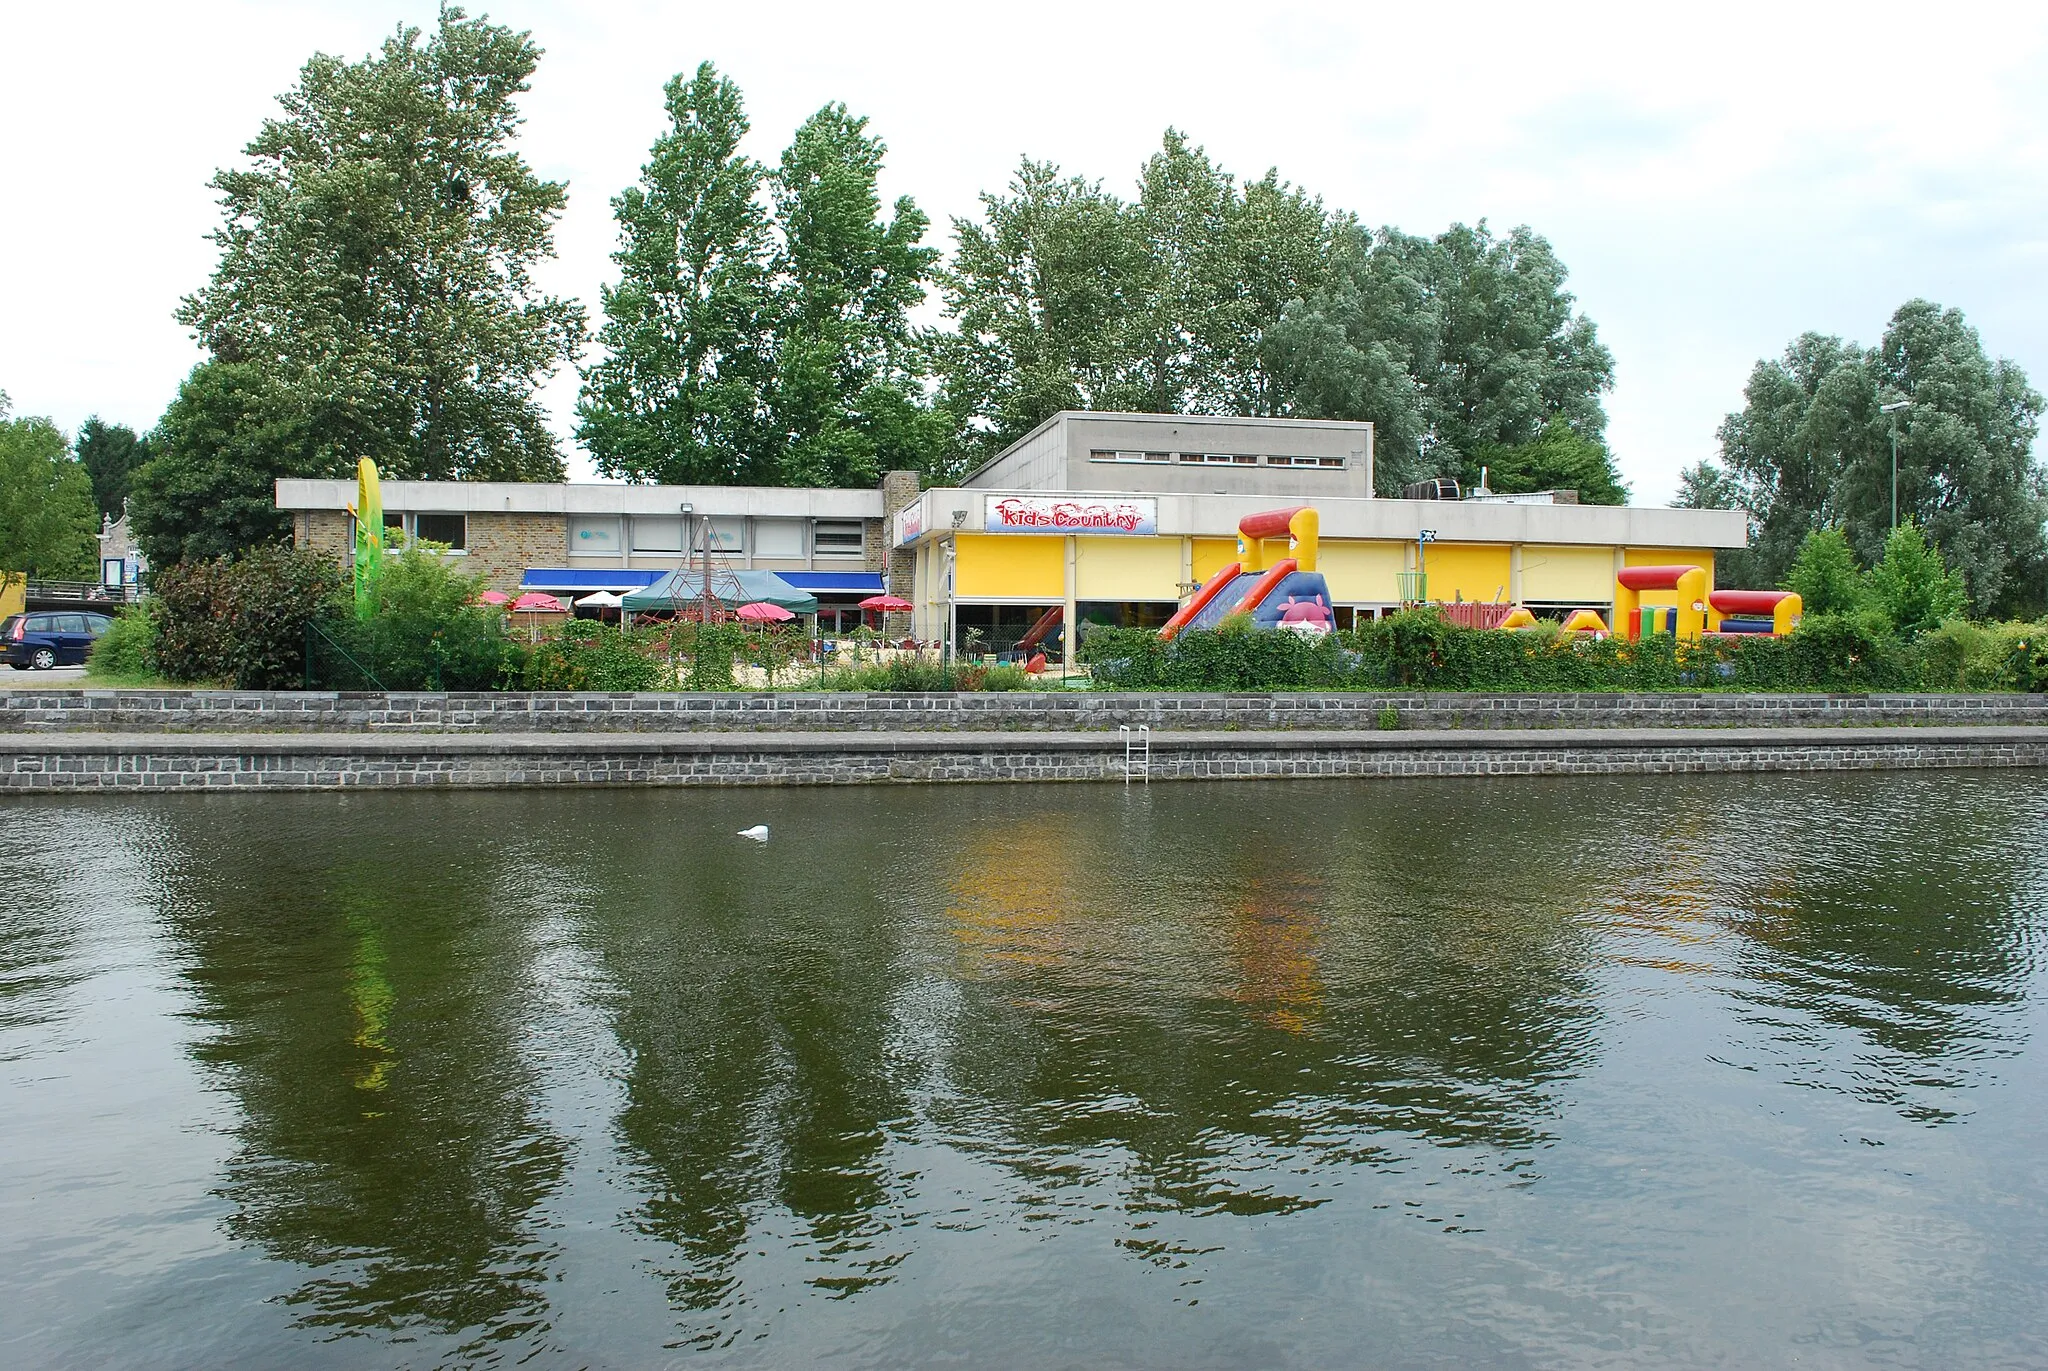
<point>583,580</point>
<point>836,582</point>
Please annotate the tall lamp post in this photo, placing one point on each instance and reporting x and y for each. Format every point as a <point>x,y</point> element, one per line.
<point>1893,409</point>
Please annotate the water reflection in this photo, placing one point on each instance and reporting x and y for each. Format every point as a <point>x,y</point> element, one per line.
<point>1190,1025</point>
<point>367,1005</point>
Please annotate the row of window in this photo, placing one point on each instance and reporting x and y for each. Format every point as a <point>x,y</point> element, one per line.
<point>1215,459</point>
<point>777,539</point>
<point>773,539</point>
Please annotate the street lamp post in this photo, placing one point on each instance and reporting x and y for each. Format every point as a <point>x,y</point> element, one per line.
<point>1893,409</point>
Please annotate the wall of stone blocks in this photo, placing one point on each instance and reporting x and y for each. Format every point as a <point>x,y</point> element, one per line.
<point>50,769</point>
<point>61,710</point>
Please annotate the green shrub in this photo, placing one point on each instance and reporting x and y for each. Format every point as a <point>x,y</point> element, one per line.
<point>426,630</point>
<point>242,622</point>
<point>589,655</point>
<point>126,652</point>
<point>1388,719</point>
<point>1006,678</point>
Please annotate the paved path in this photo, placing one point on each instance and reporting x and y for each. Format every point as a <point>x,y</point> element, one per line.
<point>66,676</point>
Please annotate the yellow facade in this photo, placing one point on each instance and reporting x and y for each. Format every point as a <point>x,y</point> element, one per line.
<point>1009,567</point>
<point>1212,555</point>
<point>1364,572</point>
<point>1127,568</point>
<point>1470,571</point>
<point>1567,573</point>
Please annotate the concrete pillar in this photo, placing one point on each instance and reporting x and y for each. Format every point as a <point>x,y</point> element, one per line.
<point>1071,639</point>
<point>1514,573</point>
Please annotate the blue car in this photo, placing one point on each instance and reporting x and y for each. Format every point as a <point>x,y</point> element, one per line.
<point>52,638</point>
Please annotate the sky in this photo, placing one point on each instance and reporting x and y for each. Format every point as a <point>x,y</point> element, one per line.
<point>1717,178</point>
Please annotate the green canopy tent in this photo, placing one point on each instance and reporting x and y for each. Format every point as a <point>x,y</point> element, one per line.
<point>678,590</point>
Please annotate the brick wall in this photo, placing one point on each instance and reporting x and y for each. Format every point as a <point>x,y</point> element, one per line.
<point>503,546</point>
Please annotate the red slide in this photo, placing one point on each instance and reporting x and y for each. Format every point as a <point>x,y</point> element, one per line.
<point>1266,585</point>
<point>1047,622</point>
<point>1187,612</point>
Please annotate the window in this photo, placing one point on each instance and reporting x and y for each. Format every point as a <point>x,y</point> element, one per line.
<point>1102,456</point>
<point>67,623</point>
<point>40,623</point>
<point>1304,461</point>
<point>451,529</point>
<point>838,538</point>
<point>779,538</point>
<point>1221,459</point>
<point>597,536</point>
<point>726,534</point>
<point>657,533</point>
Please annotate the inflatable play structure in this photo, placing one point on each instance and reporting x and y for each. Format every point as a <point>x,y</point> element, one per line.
<point>1290,593</point>
<point>1775,612</point>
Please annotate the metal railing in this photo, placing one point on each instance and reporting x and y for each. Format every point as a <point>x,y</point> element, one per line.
<point>80,593</point>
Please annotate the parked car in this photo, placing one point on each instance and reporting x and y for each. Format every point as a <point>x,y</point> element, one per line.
<point>45,639</point>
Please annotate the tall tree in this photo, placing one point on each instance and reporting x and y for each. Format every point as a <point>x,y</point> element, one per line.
<point>209,487</point>
<point>847,401</point>
<point>1045,293</point>
<point>1558,458</point>
<point>110,454</point>
<point>1812,448</point>
<point>1491,343</point>
<point>377,259</point>
<point>688,332</point>
<point>47,519</point>
<point>1067,297</point>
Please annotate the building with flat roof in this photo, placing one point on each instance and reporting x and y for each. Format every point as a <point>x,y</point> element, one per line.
<point>1112,518</point>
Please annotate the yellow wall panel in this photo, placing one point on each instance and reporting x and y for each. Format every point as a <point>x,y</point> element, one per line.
<point>1474,571</point>
<point>1127,568</point>
<point>1362,573</point>
<point>1567,573</point>
<point>1011,567</point>
<point>1212,555</point>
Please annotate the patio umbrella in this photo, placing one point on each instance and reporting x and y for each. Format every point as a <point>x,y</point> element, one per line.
<point>888,604</point>
<point>495,597</point>
<point>534,602</point>
<point>761,612</point>
<point>599,599</point>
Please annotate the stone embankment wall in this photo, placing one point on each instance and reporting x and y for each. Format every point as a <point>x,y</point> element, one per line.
<point>56,763</point>
<point>225,711</point>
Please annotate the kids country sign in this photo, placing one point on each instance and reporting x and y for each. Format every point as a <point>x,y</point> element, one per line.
<point>1068,514</point>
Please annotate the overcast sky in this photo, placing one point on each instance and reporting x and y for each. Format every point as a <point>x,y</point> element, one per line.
<point>1716,183</point>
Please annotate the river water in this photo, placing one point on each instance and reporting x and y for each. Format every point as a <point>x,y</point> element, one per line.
<point>1739,1071</point>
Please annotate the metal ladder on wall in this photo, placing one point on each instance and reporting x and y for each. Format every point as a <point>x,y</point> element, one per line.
<point>1137,751</point>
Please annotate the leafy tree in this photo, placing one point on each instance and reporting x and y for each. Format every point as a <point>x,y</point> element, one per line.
<point>1489,340</point>
<point>1067,297</point>
<point>1912,585</point>
<point>1045,294</point>
<point>846,401</point>
<point>1811,448</point>
<point>1559,458</point>
<point>377,259</point>
<point>688,329</point>
<point>1826,574</point>
<point>209,487</point>
<point>110,454</point>
<point>47,519</point>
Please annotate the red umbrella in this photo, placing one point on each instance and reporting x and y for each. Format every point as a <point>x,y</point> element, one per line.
<point>888,604</point>
<point>535,602</point>
<point>761,612</point>
<point>495,597</point>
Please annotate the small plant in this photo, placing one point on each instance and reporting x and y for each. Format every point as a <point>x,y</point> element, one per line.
<point>1388,719</point>
<point>126,652</point>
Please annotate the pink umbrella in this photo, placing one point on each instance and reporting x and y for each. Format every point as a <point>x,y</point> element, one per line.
<point>761,612</point>
<point>495,597</point>
<point>888,604</point>
<point>535,602</point>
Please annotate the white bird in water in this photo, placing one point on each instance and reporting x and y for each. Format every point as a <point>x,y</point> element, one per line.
<point>759,833</point>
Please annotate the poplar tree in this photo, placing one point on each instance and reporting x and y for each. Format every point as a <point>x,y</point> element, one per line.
<point>848,400</point>
<point>688,333</point>
<point>377,259</point>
